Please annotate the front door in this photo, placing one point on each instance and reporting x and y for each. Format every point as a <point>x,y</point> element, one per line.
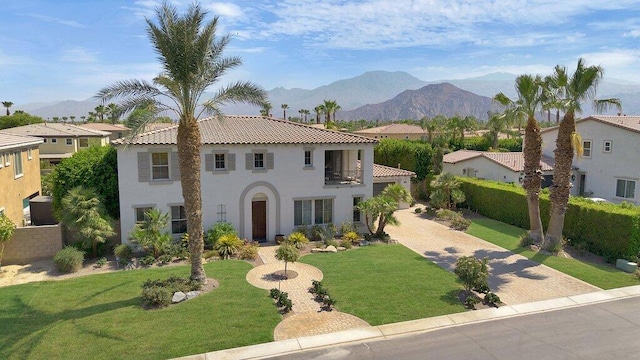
<point>259,220</point>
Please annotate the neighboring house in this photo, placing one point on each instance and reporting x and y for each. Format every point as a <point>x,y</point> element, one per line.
<point>117,131</point>
<point>610,165</point>
<point>498,166</point>
<point>394,131</point>
<point>266,176</point>
<point>61,140</point>
<point>384,176</point>
<point>19,174</point>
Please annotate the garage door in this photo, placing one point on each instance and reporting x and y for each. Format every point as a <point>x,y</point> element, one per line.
<point>378,187</point>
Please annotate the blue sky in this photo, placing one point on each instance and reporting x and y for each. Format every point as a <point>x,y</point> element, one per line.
<point>68,49</point>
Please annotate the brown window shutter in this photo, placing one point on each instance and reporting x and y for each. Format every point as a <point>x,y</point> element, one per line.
<point>143,167</point>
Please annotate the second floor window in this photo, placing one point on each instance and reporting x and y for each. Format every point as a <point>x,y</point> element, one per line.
<point>220,162</point>
<point>258,161</point>
<point>159,166</point>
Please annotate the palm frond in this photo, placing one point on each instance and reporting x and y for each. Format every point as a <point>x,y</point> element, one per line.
<point>602,105</point>
<point>126,88</point>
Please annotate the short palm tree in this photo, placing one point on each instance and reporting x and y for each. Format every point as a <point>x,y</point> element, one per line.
<point>446,191</point>
<point>320,109</point>
<point>580,86</point>
<point>151,233</point>
<point>192,61</point>
<point>266,109</point>
<point>7,104</point>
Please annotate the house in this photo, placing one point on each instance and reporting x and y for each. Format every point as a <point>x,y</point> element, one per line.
<point>609,167</point>
<point>384,176</point>
<point>394,131</point>
<point>264,175</point>
<point>498,166</point>
<point>19,174</point>
<point>61,140</point>
<point>117,131</point>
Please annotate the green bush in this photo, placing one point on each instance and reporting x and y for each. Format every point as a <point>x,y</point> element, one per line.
<point>274,293</point>
<point>417,210</point>
<point>317,233</point>
<point>414,156</point>
<point>249,251</point>
<point>123,251</point>
<point>351,237</point>
<point>101,262</point>
<point>208,254</point>
<point>510,145</point>
<point>473,273</point>
<point>158,293</point>
<point>345,243</point>
<point>217,231</point>
<point>332,242</point>
<point>165,258</point>
<point>69,259</point>
<point>609,230</point>
<point>491,299</point>
<point>347,227</point>
<point>156,296</point>
<point>460,223</point>
<point>298,239</point>
<point>228,245</point>
<point>147,260</point>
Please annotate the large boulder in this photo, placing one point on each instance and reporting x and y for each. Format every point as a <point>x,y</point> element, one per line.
<point>178,296</point>
<point>331,248</point>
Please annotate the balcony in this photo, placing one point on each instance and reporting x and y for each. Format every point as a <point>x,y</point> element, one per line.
<point>342,177</point>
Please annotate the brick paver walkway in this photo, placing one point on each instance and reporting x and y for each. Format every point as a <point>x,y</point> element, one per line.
<point>513,277</point>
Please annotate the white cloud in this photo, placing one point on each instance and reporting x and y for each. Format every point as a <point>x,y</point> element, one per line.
<point>633,33</point>
<point>613,57</point>
<point>52,19</point>
<point>225,9</point>
<point>78,55</point>
<point>252,50</point>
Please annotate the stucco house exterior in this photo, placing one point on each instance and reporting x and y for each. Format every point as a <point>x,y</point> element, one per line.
<point>61,141</point>
<point>19,174</point>
<point>610,165</point>
<point>498,166</point>
<point>394,131</point>
<point>264,175</point>
<point>384,176</point>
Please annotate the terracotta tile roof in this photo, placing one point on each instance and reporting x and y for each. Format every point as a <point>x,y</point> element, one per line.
<point>233,129</point>
<point>12,141</point>
<point>631,123</point>
<point>387,171</point>
<point>514,161</point>
<point>393,129</point>
<point>105,127</point>
<point>55,129</point>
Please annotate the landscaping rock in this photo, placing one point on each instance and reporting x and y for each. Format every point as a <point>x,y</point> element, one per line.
<point>192,294</point>
<point>626,266</point>
<point>316,250</point>
<point>331,248</point>
<point>341,248</point>
<point>364,243</point>
<point>178,297</point>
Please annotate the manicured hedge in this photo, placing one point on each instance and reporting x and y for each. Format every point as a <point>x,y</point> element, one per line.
<point>414,156</point>
<point>609,230</point>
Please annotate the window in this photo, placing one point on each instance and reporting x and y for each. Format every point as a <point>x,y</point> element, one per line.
<point>586,148</point>
<point>626,189</point>
<point>258,161</point>
<point>178,220</point>
<point>44,140</point>
<point>7,160</point>
<point>69,142</point>
<point>29,154</point>
<point>83,142</point>
<point>220,163</point>
<point>160,166</point>
<point>141,213</point>
<point>356,212</point>
<point>54,141</point>
<point>308,159</point>
<point>323,211</point>
<point>17,160</point>
<point>222,213</point>
<point>606,146</point>
<point>302,212</point>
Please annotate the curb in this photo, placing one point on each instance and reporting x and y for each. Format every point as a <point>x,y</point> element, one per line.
<point>387,331</point>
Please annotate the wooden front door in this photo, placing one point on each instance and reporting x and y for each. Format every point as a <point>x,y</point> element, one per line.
<point>259,220</point>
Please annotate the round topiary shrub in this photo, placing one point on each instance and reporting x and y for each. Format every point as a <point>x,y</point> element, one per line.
<point>69,259</point>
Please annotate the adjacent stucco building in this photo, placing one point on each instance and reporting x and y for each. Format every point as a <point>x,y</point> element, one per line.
<point>394,131</point>
<point>266,176</point>
<point>116,131</point>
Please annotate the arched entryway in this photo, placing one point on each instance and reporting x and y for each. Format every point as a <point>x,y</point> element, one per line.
<point>259,217</point>
<point>259,212</point>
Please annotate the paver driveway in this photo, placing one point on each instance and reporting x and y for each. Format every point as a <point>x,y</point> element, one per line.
<point>513,277</point>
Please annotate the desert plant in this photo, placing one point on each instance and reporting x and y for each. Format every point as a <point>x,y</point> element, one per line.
<point>328,302</point>
<point>351,237</point>
<point>298,240</point>
<point>460,223</point>
<point>347,227</point>
<point>150,233</point>
<point>315,286</point>
<point>228,245</point>
<point>177,250</point>
<point>330,231</point>
<point>446,191</point>
<point>147,260</point>
<point>156,296</point>
<point>472,272</point>
<point>217,231</point>
<point>526,240</point>
<point>331,242</point>
<point>317,233</point>
<point>101,262</point>
<point>158,293</point>
<point>249,251</point>
<point>304,229</point>
<point>556,246</point>
<point>123,251</point>
<point>287,253</point>
<point>69,259</point>
<point>345,243</point>
<point>7,228</point>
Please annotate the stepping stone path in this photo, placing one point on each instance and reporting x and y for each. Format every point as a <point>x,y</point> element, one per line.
<point>306,317</point>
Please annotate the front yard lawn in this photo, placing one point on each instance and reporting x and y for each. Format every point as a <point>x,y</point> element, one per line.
<point>99,317</point>
<point>508,237</point>
<point>384,284</point>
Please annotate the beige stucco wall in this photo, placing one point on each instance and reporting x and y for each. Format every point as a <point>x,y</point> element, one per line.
<point>33,243</point>
<point>61,147</point>
<point>393,136</point>
<point>14,189</point>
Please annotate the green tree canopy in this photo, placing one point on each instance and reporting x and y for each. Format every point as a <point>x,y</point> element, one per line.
<point>18,119</point>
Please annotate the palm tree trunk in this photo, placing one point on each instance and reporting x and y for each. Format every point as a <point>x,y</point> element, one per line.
<point>189,144</point>
<point>532,179</point>
<point>561,187</point>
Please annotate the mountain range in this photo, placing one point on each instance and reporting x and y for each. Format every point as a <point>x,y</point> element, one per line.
<point>381,95</point>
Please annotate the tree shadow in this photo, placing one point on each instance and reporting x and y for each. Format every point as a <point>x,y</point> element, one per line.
<point>451,297</point>
<point>501,269</point>
<point>447,262</point>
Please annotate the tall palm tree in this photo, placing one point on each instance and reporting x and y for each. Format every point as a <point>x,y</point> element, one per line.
<point>100,112</point>
<point>72,118</point>
<point>284,110</point>
<point>112,112</point>
<point>581,86</point>
<point>320,110</point>
<point>306,113</point>
<point>7,104</point>
<point>553,87</point>
<point>191,57</point>
<point>529,90</point>
<point>330,108</point>
<point>301,112</point>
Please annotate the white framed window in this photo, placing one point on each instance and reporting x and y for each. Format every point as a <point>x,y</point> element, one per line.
<point>222,212</point>
<point>159,166</point>
<point>68,141</point>
<point>29,154</point>
<point>141,213</point>
<point>258,161</point>
<point>625,188</point>
<point>323,211</point>
<point>17,162</point>
<point>178,220</point>
<point>308,158</point>
<point>302,212</point>
<point>220,162</point>
<point>586,148</point>
<point>607,146</point>
<point>54,141</point>
<point>83,142</point>
<point>357,215</point>
<point>7,159</point>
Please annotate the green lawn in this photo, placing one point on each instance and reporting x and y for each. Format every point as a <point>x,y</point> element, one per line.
<point>508,237</point>
<point>387,283</point>
<point>99,317</point>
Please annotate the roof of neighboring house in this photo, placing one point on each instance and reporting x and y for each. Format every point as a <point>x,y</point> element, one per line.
<point>631,123</point>
<point>387,171</point>
<point>12,141</point>
<point>105,127</point>
<point>514,161</point>
<point>237,129</point>
<point>393,129</point>
<point>55,129</point>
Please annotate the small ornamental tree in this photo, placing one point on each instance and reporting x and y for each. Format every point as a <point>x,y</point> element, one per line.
<point>7,228</point>
<point>150,233</point>
<point>472,272</point>
<point>287,252</point>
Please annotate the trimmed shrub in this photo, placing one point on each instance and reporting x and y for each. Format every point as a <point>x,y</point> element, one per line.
<point>351,237</point>
<point>208,254</point>
<point>158,293</point>
<point>147,260</point>
<point>249,251</point>
<point>228,245</point>
<point>217,231</point>
<point>69,259</point>
<point>345,243</point>
<point>460,223</point>
<point>412,155</point>
<point>298,239</point>
<point>472,272</point>
<point>156,296</point>
<point>101,262</point>
<point>123,251</point>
